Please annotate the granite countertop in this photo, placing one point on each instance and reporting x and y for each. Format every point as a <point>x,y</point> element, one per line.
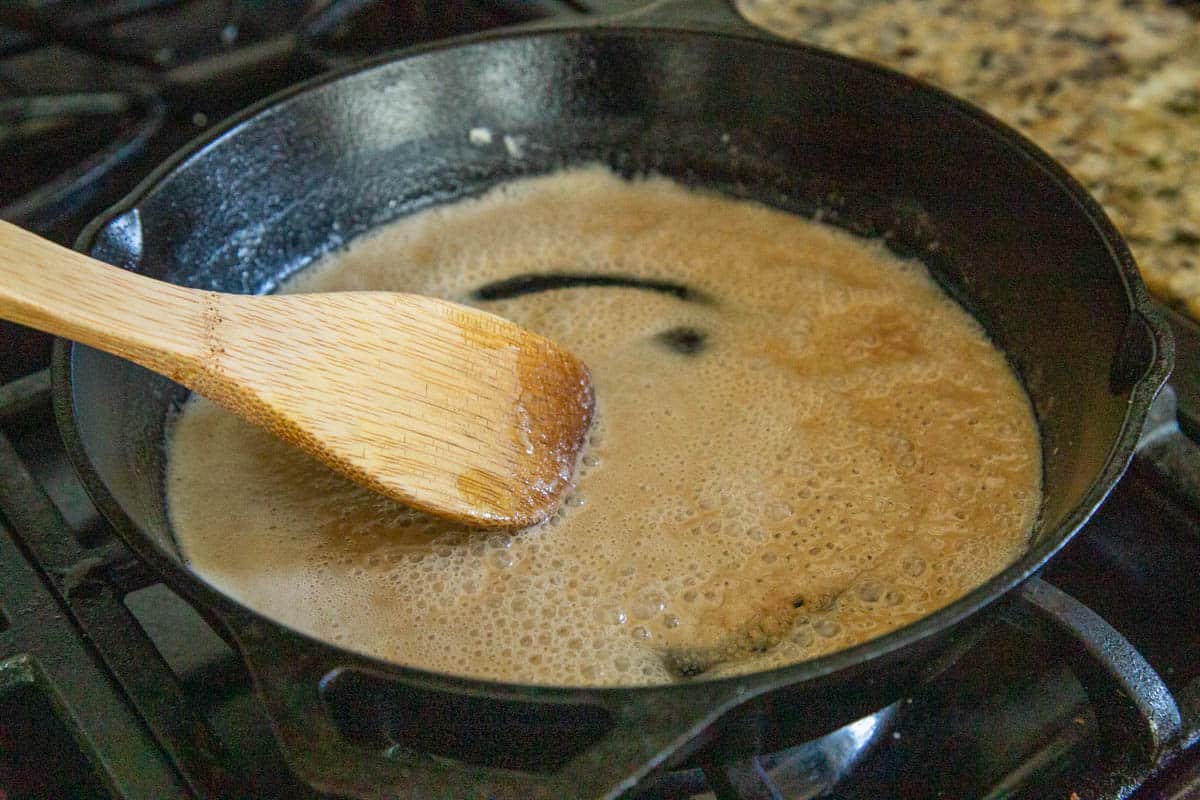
<point>1110,88</point>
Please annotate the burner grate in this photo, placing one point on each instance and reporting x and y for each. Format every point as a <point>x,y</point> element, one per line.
<point>123,724</point>
<point>34,731</point>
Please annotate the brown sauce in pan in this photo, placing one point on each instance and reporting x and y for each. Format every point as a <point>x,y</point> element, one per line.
<point>802,443</point>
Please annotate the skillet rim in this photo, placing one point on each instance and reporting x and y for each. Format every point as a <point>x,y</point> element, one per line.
<point>227,610</point>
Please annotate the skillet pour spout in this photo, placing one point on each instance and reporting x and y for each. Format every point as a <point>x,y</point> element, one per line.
<point>1003,228</point>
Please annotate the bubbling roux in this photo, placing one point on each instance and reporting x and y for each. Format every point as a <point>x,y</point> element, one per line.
<point>801,444</point>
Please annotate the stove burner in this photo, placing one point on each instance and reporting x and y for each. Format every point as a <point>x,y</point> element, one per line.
<point>346,31</point>
<point>80,139</point>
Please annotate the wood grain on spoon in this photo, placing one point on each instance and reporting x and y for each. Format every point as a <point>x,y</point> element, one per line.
<point>446,408</point>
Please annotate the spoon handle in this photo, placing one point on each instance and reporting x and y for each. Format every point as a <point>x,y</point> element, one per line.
<point>54,289</point>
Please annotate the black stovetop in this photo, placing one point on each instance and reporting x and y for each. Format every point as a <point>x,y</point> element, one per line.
<point>112,686</point>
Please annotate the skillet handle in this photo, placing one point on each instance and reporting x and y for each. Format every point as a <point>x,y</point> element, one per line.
<point>1168,453</point>
<point>1138,717</point>
<point>346,728</point>
<point>693,14</point>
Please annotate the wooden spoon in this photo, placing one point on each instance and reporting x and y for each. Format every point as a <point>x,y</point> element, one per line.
<point>446,408</point>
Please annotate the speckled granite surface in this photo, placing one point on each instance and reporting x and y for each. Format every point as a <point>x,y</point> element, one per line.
<point>1111,88</point>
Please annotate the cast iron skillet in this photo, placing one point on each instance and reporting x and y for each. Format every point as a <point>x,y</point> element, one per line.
<point>1003,228</point>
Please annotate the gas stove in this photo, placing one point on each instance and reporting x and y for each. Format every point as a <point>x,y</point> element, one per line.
<point>111,686</point>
